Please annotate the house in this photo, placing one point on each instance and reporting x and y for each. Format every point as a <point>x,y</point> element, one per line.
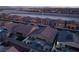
<point>10,26</point>
<point>52,23</point>
<point>65,36</point>
<point>37,21</point>
<point>34,21</point>
<point>21,28</point>
<point>40,21</point>
<point>77,25</point>
<point>65,39</point>
<point>27,19</point>
<point>17,27</point>
<point>41,39</point>
<point>59,23</point>
<point>46,33</point>
<point>71,25</point>
<point>44,21</point>
<point>2,23</point>
<point>3,34</point>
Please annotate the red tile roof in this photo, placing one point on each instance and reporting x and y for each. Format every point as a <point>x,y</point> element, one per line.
<point>10,26</point>
<point>25,29</point>
<point>47,33</point>
<point>15,27</point>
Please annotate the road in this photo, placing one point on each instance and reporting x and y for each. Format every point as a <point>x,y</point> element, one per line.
<point>43,15</point>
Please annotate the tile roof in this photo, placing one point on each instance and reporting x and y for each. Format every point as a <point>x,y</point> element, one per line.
<point>23,28</point>
<point>49,33</point>
<point>15,27</point>
<point>46,33</point>
<point>10,26</point>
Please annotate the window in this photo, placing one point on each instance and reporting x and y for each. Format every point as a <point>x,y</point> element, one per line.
<point>68,27</point>
<point>72,28</point>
